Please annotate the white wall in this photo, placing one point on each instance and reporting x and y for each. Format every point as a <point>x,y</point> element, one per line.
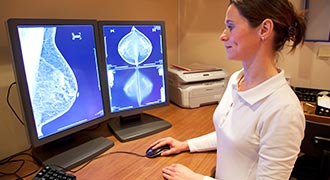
<point>12,134</point>
<point>200,24</point>
<point>306,68</point>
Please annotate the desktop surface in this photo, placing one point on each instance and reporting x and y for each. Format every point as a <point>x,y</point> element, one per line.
<point>186,123</point>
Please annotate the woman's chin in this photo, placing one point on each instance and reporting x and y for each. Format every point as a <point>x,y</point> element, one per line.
<point>232,58</point>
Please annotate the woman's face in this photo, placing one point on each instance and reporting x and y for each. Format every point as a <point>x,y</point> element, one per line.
<point>240,40</point>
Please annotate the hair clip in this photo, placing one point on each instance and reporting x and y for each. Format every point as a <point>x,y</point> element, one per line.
<point>292,31</point>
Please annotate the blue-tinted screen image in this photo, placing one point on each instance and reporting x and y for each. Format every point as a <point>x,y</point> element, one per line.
<point>61,68</point>
<point>135,65</point>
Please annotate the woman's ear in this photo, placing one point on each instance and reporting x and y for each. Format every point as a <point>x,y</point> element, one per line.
<point>266,29</point>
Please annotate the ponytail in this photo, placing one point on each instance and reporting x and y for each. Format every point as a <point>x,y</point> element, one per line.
<point>296,32</point>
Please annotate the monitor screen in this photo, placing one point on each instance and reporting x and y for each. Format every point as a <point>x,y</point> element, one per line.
<point>135,54</point>
<point>59,76</point>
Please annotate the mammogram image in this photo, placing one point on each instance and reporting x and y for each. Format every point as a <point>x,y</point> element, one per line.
<point>52,84</point>
<point>135,67</point>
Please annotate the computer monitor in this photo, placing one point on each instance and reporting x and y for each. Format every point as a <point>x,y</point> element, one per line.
<point>135,53</point>
<point>62,87</point>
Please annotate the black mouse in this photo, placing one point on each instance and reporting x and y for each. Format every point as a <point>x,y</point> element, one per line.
<point>151,153</point>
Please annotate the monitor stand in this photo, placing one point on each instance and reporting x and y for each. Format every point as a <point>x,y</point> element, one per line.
<point>71,152</point>
<point>136,126</point>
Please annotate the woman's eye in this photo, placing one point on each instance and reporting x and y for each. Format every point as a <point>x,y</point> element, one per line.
<point>230,27</point>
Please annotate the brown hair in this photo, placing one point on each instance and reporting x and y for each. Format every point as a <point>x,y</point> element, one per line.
<point>288,25</point>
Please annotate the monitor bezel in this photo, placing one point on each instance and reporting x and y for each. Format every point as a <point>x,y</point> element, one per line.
<point>22,86</point>
<point>135,111</point>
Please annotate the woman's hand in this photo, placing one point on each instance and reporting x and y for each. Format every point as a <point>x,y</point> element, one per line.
<point>180,172</point>
<point>175,145</point>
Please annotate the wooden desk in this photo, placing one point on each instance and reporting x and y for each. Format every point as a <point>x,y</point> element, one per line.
<point>309,111</point>
<point>186,123</point>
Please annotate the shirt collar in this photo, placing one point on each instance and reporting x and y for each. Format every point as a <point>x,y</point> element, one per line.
<point>262,90</point>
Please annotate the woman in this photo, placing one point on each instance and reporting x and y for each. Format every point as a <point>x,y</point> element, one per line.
<point>259,121</point>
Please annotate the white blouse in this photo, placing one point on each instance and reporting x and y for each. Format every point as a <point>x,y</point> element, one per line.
<point>258,131</point>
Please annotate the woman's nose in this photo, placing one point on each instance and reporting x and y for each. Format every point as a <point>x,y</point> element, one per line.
<point>224,36</point>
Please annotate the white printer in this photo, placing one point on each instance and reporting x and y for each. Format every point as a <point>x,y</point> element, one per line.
<point>195,85</point>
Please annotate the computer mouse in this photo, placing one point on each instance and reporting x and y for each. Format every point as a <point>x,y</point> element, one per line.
<point>152,153</point>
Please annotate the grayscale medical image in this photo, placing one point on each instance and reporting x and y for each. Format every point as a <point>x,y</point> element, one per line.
<point>135,48</point>
<point>135,66</point>
<point>52,85</point>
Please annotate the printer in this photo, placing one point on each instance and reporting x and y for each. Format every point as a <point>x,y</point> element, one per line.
<point>197,86</point>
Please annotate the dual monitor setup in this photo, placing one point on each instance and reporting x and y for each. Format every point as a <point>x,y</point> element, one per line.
<point>74,74</point>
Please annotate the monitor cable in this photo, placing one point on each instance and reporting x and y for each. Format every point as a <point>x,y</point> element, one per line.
<point>13,160</point>
<point>10,106</point>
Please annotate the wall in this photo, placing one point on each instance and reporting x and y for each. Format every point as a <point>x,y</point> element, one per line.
<point>12,134</point>
<point>306,68</point>
<point>200,25</point>
<point>202,21</point>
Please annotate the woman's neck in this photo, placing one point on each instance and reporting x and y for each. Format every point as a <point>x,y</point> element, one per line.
<point>256,72</point>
